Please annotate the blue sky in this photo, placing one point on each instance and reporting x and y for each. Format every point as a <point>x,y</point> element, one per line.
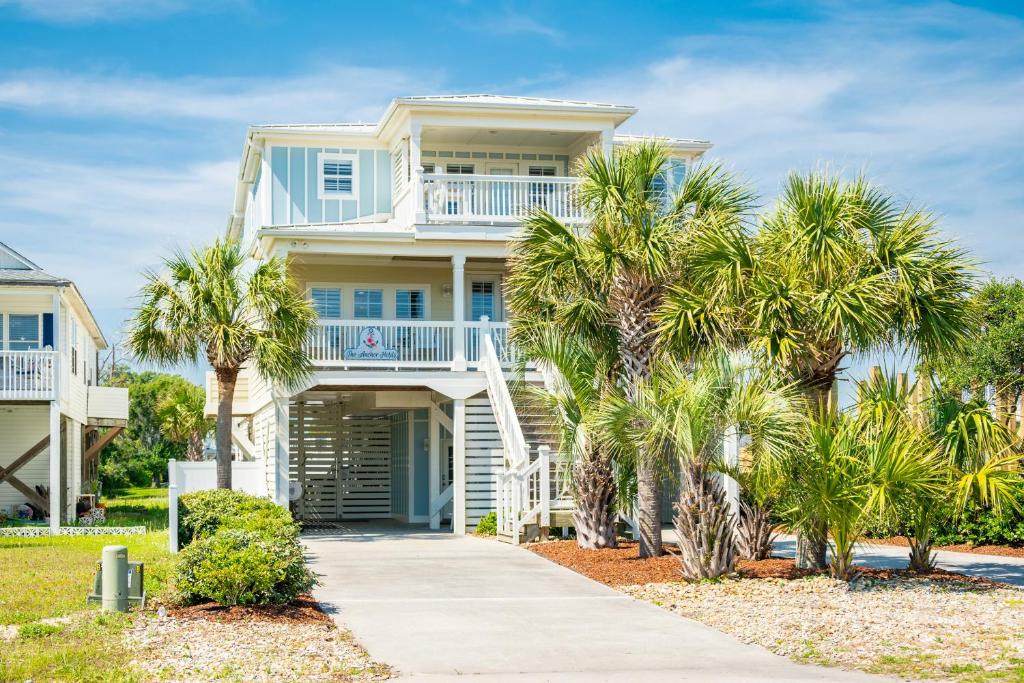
<point>121,121</point>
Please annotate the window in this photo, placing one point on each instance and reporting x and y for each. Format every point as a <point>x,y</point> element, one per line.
<point>74,346</point>
<point>539,192</point>
<point>326,301</point>
<point>369,303</point>
<point>482,300</point>
<point>542,171</point>
<point>428,168</point>
<point>410,304</point>
<point>23,332</point>
<point>338,177</point>
<point>462,169</point>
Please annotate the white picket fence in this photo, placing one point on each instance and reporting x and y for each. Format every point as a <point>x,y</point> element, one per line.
<point>185,477</point>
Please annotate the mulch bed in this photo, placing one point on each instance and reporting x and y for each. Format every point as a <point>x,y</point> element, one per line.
<point>1000,550</point>
<point>621,566</point>
<point>302,610</point>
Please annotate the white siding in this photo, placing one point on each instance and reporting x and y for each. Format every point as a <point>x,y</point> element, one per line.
<point>483,459</point>
<point>22,427</point>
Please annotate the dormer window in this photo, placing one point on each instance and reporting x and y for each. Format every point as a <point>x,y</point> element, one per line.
<point>338,175</point>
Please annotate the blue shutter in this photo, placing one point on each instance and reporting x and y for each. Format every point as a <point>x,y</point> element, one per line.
<point>326,301</point>
<point>48,330</point>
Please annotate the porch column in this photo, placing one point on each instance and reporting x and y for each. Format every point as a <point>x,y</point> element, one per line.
<point>459,465</point>
<point>281,451</point>
<point>459,312</point>
<point>416,171</point>
<point>607,141</point>
<point>435,465</point>
<point>56,481</point>
<point>731,455</point>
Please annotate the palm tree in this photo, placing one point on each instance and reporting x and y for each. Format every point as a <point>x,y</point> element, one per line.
<point>680,414</point>
<point>580,377</point>
<point>606,281</point>
<point>205,303</point>
<point>973,458</point>
<point>844,267</point>
<point>850,473</point>
<point>182,415</point>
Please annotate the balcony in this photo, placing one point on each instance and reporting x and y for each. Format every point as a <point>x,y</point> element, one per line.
<point>27,375</point>
<point>403,344</point>
<point>464,198</point>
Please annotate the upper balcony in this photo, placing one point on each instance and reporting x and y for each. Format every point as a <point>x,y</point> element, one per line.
<point>472,198</point>
<point>27,375</point>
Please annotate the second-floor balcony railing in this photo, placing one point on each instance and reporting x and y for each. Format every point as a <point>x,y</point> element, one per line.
<point>401,343</point>
<point>27,375</point>
<point>499,199</point>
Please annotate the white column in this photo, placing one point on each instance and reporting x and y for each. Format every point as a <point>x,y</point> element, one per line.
<point>607,141</point>
<point>435,466</point>
<point>416,169</point>
<point>281,451</point>
<point>459,457</point>
<point>731,455</point>
<point>459,311</point>
<point>172,505</point>
<point>56,481</point>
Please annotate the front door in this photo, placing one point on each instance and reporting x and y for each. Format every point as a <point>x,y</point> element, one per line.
<point>483,298</point>
<point>501,195</point>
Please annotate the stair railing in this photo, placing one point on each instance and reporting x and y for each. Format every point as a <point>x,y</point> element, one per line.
<point>523,486</point>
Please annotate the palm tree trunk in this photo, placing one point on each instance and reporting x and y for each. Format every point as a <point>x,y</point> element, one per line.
<point>705,526</point>
<point>812,550</point>
<point>594,485</point>
<point>226,378</point>
<point>635,298</point>
<point>195,447</point>
<point>755,532</point>
<point>648,503</point>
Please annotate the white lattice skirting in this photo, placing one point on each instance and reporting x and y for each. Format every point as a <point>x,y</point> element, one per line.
<point>38,531</point>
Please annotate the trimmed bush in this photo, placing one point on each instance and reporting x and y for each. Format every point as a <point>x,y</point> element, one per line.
<point>488,525</point>
<point>202,513</point>
<point>239,567</point>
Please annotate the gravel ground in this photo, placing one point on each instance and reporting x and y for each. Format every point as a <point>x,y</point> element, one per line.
<point>910,627</point>
<point>180,649</point>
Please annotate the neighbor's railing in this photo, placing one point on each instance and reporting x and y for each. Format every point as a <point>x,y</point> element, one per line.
<point>27,374</point>
<point>485,198</point>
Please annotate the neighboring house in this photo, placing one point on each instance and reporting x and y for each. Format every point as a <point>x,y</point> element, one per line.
<point>398,231</point>
<point>49,344</point>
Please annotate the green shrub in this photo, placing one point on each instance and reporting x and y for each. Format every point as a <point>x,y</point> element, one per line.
<point>982,526</point>
<point>488,525</point>
<point>238,567</point>
<point>38,630</point>
<point>202,513</point>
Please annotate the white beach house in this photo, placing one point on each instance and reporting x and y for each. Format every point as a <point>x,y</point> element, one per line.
<point>55,419</point>
<point>399,231</point>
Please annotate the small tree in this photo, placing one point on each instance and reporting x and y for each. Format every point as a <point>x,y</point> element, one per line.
<point>204,303</point>
<point>182,414</point>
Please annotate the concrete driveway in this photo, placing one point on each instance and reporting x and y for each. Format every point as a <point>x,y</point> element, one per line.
<point>437,606</point>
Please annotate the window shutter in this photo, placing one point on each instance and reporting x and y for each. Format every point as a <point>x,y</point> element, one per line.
<point>48,330</point>
<point>326,301</point>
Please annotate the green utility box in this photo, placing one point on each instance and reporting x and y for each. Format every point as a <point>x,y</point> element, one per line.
<point>136,585</point>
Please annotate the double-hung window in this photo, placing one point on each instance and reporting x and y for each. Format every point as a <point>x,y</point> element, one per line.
<point>326,301</point>
<point>539,191</point>
<point>460,195</point>
<point>410,304</point>
<point>338,175</point>
<point>369,303</point>
<point>23,332</point>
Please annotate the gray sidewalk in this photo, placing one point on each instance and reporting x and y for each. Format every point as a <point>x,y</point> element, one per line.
<point>437,606</point>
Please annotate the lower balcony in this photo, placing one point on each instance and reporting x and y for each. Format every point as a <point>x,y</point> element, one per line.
<point>27,375</point>
<point>402,344</point>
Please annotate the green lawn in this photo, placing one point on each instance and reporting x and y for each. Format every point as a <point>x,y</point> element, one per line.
<point>42,578</point>
<point>138,507</point>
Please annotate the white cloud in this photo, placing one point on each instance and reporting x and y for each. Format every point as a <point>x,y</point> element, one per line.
<point>76,11</point>
<point>341,94</point>
<point>927,100</point>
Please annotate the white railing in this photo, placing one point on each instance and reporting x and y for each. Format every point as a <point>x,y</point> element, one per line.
<point>401,343</point>
<point>27,374</point>
<point>486,198</point>
<point>517,451</point>
<point>524,496</point>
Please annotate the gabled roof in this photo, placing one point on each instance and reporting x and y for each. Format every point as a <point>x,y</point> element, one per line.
<point>15,269</point>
